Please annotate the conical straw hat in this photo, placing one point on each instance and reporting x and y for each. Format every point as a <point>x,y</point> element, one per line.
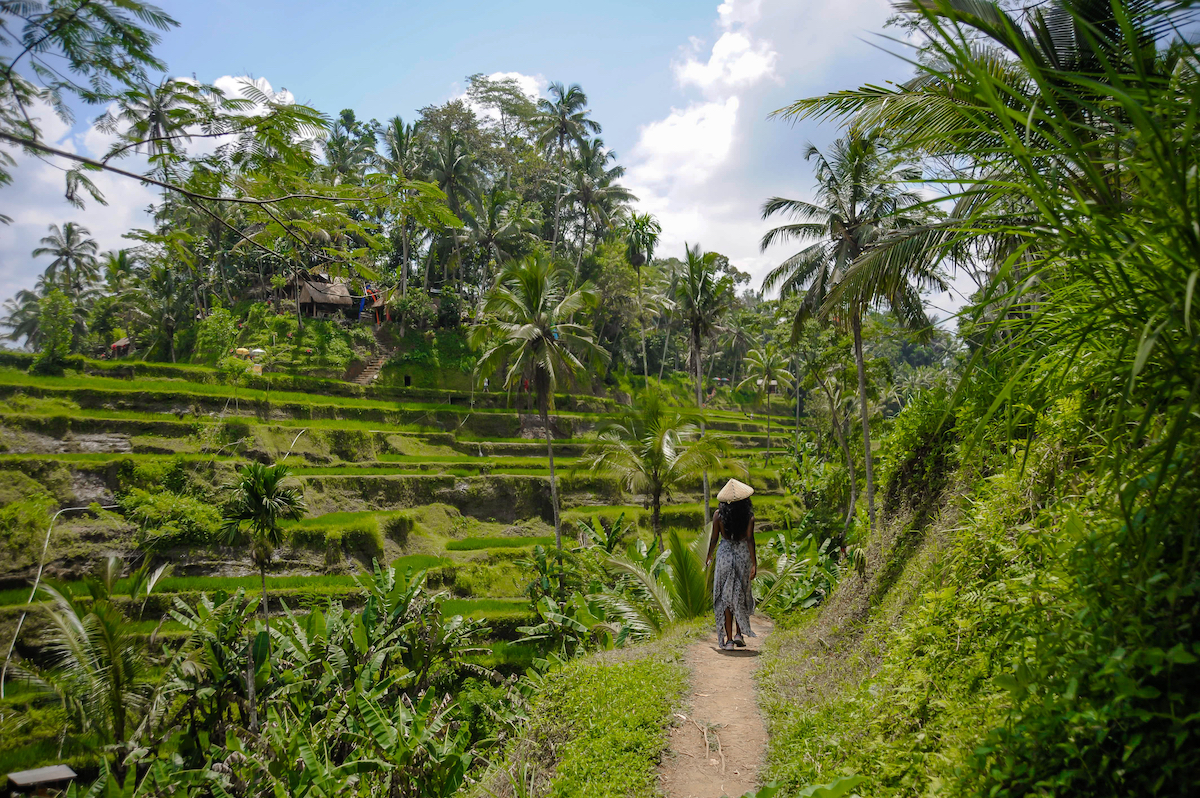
<point>735,491</point>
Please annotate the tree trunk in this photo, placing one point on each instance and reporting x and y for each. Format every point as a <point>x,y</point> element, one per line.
<point>404,259</point>
<point>262,571</point>
<point>582,247</point>
<point>428,266</point>
<point>700,407</point>
<point>656,518</point>
<point>250,683</point>
<point>663,362</point>
<point>642,325</point>
<point>296,283</point>
<point>553,489</point>
<point>840,434</point>
<point>796,383</point>
<point>767,459</point>
<point>557,201</point>
<point>856,324</point>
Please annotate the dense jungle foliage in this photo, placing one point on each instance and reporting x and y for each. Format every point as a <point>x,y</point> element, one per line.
<point>981,547</point>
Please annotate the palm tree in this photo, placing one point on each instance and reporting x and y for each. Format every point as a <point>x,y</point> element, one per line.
<point>766,370</point>
<point>653,596</point>
<point>98,666</point>
<point>74,267</point>
<point>455,173</point>
<point>641,236</point>
<point>22,315</point>
<point>160,299</point>
<point>349,149</point>
<point>560,120</point>
<point>118,267</point>
<point>400,158</point>
<point>527,325</point>
<point>702,299</point>
<point>499,225</point>
<point>860,201</point>
<point>157,119</point>
<point>595,191</point>
<point>261,499</point>
<point>652,450</point>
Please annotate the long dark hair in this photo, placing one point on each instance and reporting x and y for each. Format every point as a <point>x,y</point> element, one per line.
<point>735,518</point>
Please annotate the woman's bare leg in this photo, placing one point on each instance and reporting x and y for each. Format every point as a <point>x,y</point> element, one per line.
<point>728,626</point>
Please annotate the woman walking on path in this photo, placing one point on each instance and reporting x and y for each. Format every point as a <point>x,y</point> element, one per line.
<point>737,563</point>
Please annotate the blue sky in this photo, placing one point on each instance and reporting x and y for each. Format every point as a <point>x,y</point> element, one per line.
<point>682,90</point>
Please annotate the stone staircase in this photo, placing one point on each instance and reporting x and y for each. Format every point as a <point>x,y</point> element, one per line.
<point>372,369</point>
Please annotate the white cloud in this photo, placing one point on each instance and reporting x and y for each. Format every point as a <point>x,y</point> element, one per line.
<point>533,86</point>
<point>236,87</point>
<point>736,61</point>
<point>705,167</point>
<point>685,147</point>
<point>739,12</point>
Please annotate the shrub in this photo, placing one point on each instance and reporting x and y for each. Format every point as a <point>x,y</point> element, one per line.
<point>415,309</point>
<point>921,455</point>
<point>54,334</point>
<point>450,310</point>
<point>168,519</point>
<point>215,336</point>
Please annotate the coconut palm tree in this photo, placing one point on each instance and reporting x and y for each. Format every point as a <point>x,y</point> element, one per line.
<point>702,297</point>
<point>261,500</point>
<point>160,299</point>
<point>596,191</point>
<point>349,149</point>
<point>455,173</point>
<point>498,224</point>
<point>118,267</point>
<point>401,158</point>
<point>641,237</point>
<point>158,119</point>
<point>74,268</point>
<point>653,449</point>
<point>22,314</point>
<point>527,325</point>
<point>860,201</point>
<point>766,371</point>
<point>560,120</point>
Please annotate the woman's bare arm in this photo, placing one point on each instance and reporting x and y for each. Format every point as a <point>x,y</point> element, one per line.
<point>713,539</point>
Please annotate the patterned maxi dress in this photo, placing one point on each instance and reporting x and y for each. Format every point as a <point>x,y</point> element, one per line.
<point>731,586</point>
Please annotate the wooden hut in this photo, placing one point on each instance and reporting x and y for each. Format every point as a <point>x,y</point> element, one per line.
<point>321,297</point>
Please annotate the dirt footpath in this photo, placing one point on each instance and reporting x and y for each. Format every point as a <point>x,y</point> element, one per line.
<point>723,704</point>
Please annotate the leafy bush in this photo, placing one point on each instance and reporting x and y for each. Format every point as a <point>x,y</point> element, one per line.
<point>55,320</point>
<point>415,309</point>
<point>169,519</point>
<point>920,455</point>
<point>215,336</point>
<point>450,310</point>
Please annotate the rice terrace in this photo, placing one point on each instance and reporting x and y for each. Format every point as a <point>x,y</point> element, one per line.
<point>390,434</point>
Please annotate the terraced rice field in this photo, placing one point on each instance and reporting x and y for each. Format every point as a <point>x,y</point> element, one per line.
<point>458,487</point>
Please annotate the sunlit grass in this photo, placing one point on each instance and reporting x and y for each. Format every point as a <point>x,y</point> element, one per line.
<point>475,544</point>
